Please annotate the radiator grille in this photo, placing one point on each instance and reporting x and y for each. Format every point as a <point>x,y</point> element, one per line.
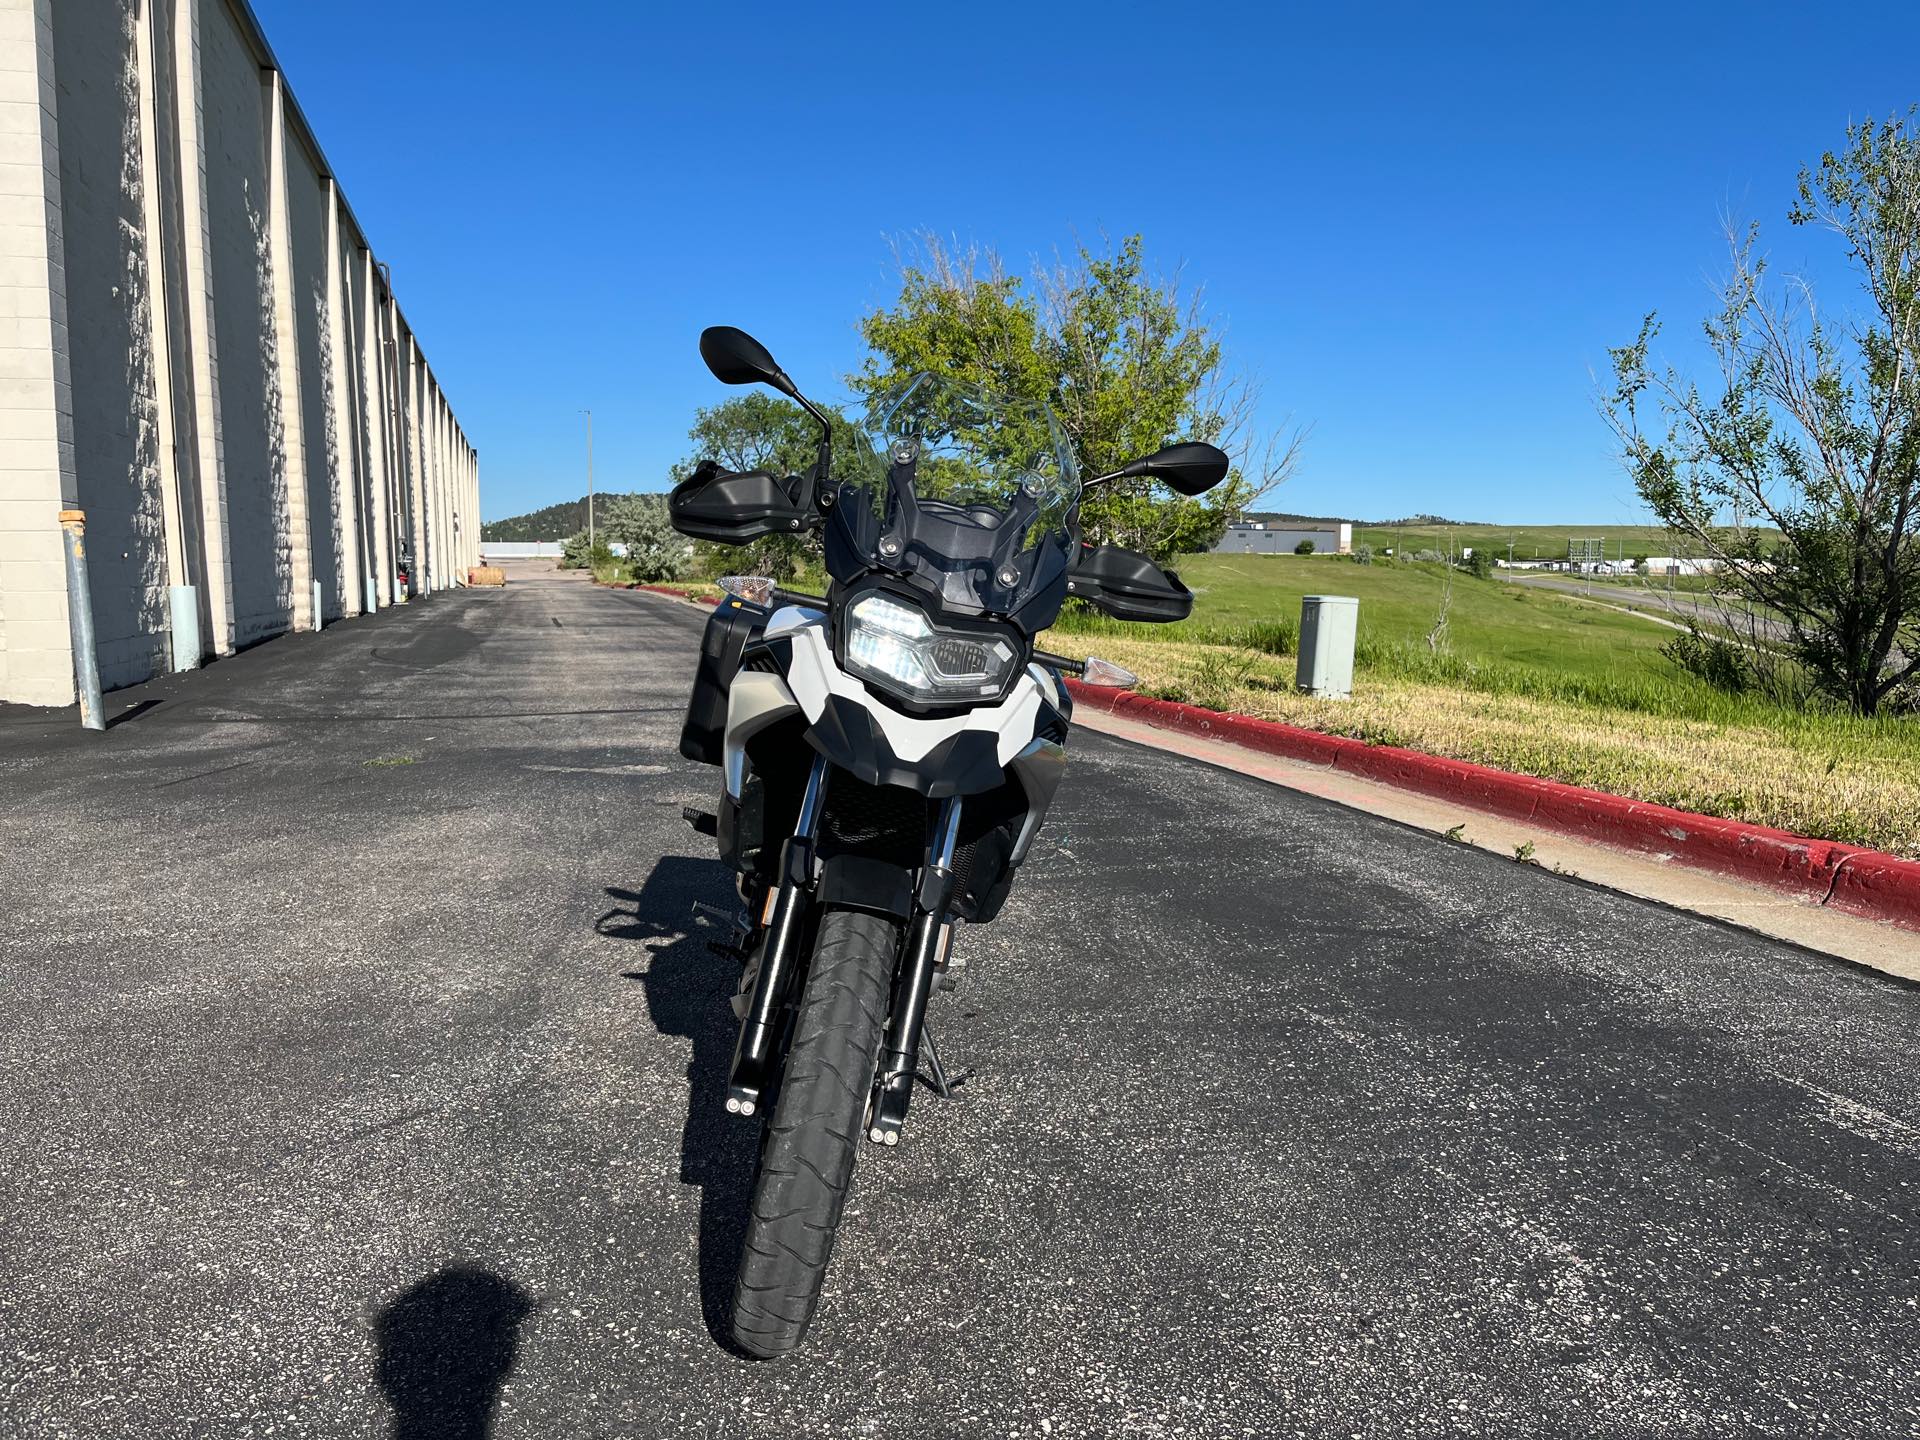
<point>882,821</point>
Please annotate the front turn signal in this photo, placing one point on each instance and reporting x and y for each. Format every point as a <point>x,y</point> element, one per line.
<point>1105,672</point>
<point>754,589</point>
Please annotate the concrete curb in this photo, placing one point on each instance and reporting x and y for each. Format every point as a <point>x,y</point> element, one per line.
<point>1862,882</point>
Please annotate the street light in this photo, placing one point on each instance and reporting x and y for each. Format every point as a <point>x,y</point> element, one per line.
<point>589,415</point>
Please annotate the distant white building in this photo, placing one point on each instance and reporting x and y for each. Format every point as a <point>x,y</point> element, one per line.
<point>1681,565</point>
<point>1329,537</point>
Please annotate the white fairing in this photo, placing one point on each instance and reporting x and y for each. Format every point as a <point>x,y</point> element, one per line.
<point>813,676</point>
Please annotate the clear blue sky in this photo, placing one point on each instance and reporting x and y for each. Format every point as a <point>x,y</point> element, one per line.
<point>1420,229</point>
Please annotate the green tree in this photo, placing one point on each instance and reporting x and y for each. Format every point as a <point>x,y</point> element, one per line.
<point>1127,361</point>
<point>759,431</point>
<point>1815,430</point>
<point>1305,547</point>
<point>754,430</point>
<point>1480,562</point>
<point>655,550</point>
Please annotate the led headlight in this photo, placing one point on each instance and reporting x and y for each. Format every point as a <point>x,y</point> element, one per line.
<point>896,647</point>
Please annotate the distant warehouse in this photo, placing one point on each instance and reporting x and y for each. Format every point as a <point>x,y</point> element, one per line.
<point>1283,536</point>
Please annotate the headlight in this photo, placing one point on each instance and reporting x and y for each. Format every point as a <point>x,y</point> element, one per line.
<point>898,648</point>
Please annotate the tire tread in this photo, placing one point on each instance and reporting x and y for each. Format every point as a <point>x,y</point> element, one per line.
<point>806,1168</point>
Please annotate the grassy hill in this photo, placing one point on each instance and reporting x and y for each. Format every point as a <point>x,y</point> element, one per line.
<point>555,522</point>
<point>1530,542</point>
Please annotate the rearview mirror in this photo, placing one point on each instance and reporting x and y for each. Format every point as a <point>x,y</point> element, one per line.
<point>736,358</point>
<point>1192,467</point>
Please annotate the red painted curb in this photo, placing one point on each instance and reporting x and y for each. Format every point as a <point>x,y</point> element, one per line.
<point>1859,881</point>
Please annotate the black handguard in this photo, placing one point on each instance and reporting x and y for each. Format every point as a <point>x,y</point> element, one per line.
<point>732,508</point>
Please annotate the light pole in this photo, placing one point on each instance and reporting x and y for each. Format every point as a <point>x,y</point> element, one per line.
<point>589,415</point>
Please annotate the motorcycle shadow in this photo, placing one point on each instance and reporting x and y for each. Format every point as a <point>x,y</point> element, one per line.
<point>688,988</point>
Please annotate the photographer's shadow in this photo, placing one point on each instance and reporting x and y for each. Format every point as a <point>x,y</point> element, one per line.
<point>688,990</point>
<point>444,1347</point>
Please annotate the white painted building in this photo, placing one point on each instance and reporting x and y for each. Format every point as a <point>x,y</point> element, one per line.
<point>1681,565</point>
<point>200,353</point>
<point>1329,537</point>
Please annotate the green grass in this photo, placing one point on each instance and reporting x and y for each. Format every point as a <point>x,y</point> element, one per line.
<point>1528,680</point>
<point>1240,598</point>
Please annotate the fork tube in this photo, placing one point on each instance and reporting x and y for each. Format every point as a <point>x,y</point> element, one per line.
<point>900,1053</point>
<point>784,929</point>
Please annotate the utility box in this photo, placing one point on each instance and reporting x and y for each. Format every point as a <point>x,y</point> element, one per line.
<point>1328,624</point>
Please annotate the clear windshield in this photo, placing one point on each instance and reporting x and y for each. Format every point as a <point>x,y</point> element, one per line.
<point>960,498</point>
<point>966,449</point>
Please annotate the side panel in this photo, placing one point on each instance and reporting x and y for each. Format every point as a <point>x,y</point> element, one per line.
<point>756,703</point>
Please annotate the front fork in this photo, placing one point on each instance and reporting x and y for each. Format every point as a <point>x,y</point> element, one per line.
<point>928,935</point>
<point>929,932</point>
<point>784,924</point>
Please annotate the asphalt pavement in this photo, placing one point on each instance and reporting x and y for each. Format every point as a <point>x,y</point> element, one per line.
<point>1677,608</point>
<point>362,1058</point>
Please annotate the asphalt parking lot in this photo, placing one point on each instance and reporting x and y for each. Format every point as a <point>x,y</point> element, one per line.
<point>362,1057</point>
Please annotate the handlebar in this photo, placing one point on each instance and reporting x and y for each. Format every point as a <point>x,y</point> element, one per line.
<point>797,597</point>
<point>1062,663</point>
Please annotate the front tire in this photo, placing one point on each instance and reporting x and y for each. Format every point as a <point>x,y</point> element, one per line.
<point>806,1162</point>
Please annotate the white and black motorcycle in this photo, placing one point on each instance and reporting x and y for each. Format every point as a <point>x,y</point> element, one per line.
<point>888,752</point>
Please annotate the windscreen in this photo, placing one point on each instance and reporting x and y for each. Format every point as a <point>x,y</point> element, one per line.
<point>965,496</point>
<point>967,449</point>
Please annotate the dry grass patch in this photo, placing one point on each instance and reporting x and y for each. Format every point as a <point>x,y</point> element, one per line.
<point>1827,775</point>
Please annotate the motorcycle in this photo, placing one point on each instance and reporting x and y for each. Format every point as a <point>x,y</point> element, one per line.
<point>888,752</point>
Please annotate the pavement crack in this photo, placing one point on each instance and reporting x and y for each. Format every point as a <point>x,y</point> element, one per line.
<point>203,774</point>
<point>406,1117</point>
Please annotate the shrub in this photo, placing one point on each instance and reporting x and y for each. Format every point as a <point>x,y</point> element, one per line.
<point>1362,554</point>
<point>655,550</point>
<point>1720,663</point>
<point>1305,547</point>
<point>575,554</point>
<point>1480,563</point>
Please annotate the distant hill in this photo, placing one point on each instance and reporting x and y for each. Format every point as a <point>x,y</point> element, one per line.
<point>556,522</point>
<point>1528,542</point>
<point>1415,520</point>
<point>1281,517</point>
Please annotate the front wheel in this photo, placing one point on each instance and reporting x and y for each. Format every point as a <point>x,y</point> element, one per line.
<point>806,1163</point>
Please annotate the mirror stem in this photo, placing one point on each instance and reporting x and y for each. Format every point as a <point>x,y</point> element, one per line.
<point>823,460</point>
<point>1125,472</point>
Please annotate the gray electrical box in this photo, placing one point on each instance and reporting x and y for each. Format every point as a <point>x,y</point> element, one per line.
<point>1327,627</point>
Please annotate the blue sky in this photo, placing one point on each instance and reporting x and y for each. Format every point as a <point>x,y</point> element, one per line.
<point>1420,226</point>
